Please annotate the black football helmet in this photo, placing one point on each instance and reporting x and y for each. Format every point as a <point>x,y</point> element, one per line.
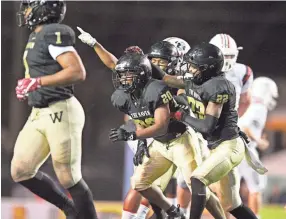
<point>42,12</point>
<point>132,72</point>
<point>166,50</point>
<point>207,58</point>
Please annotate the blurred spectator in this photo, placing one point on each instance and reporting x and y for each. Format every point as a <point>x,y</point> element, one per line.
<point>275,195</point>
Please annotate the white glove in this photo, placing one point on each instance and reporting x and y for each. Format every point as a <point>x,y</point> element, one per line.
<point>86,38</point>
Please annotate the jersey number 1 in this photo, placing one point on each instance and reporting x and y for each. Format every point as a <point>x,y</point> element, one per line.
<point>59,40</point>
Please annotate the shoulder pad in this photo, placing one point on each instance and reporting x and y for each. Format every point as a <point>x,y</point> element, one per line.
<point>154,89</point>
<point>119,100</point>
<point>158,93</point>
<point>218,90</point>
<point>59,35</point>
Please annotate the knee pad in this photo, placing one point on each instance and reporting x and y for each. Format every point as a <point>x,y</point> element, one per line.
<point>68,174</point>
<point>22,170</point>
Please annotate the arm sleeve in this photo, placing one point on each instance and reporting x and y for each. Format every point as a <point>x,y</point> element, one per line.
<point>55,51</point>
<point>247,80</point>
<point>204,126</point>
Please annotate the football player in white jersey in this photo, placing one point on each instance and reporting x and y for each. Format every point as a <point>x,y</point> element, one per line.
<point>264,95</point>
<point>239,74</point>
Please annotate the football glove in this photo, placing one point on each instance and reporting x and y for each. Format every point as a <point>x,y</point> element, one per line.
<point>182,102</point>
<point>142,149</point>
<point>120,134</point>
<point>179,115</point>
<point>86,38</point>
<point>27,85</point>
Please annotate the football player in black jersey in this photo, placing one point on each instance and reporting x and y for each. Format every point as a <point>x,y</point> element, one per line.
<point>148,102</point>
<point>55,124</point>
<point>212,97</point>
<point>131,207</point>
<point>166,56</point>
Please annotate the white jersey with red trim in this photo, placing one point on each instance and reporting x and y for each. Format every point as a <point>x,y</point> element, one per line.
<point>241,76</point>
<point>254,119</point>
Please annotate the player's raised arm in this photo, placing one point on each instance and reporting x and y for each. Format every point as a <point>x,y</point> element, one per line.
<point>105,56</point>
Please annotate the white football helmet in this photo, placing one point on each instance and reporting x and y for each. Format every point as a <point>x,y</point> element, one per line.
<point>183,47</point>
<point>265,89</point>
<point>229,49</point>
<point>181,44</point>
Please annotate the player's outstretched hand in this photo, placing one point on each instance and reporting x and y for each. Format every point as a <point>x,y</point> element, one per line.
<point>142,149</point>
<point>86,38</point>
<point>120,134</point>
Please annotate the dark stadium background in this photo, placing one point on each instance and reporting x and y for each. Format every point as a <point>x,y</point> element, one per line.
<point>260,27</point>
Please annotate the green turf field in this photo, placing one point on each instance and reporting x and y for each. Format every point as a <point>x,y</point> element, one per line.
<point>273,212</point>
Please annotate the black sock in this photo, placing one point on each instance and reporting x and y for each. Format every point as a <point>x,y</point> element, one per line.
<point>243,212</point>
<point>198,198</point>
<point>157,211</point>
<point>83,200</point>
<point>45,187</point>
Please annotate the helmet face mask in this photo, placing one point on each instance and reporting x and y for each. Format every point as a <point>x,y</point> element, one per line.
<point>127,80</point>
<point>40,12</point>
<point>21,15</point>
<point>132,72</point>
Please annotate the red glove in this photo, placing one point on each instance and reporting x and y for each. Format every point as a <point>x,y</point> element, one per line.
<point>27,85</point>
<point>179,114</point>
